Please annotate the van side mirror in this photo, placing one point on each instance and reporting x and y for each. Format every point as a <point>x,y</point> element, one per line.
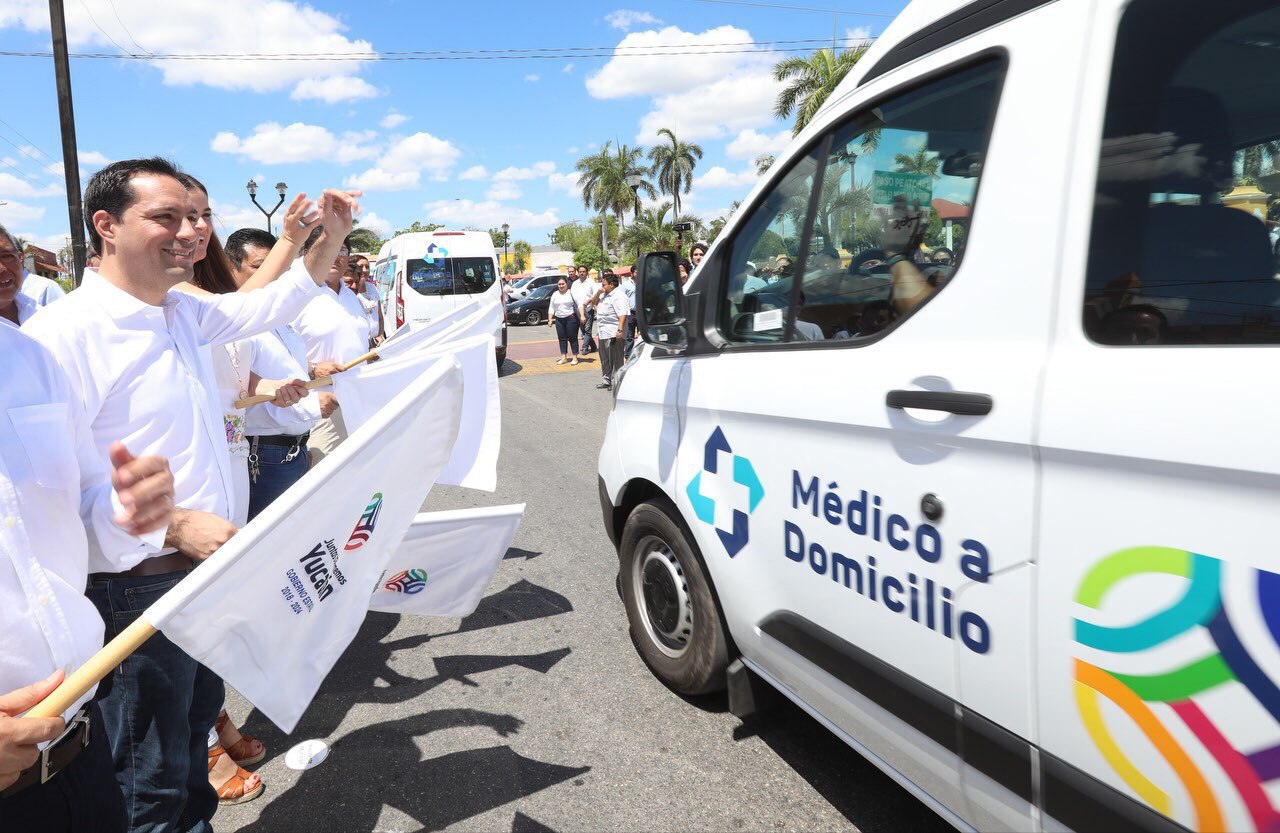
<point>660,300</point>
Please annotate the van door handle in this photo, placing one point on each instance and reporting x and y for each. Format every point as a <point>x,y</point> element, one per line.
<point>953,402</point>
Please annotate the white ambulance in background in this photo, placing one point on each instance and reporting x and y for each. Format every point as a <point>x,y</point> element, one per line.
<point>424,274</point>
<point>1004,521</point>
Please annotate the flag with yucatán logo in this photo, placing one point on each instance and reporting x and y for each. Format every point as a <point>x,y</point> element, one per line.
<point>446,561</point>
<point>473,463</point>
<point>275,607</point>
<point>481,315</point>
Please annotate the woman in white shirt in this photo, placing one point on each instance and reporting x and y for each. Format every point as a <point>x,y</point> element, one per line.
<point>563,315</point>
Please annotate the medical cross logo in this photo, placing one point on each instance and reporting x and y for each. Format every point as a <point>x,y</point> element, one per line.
<point>364,526</point>
<point>435,253</point>
<point>725,492</point>
<point>407,581</point>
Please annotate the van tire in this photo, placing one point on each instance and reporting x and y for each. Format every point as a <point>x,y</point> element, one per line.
<point>675,621</point>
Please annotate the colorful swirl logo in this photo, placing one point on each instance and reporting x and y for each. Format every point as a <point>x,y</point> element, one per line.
<point>1192,693</point>
<point>364,526</point>
<point>407,581</point>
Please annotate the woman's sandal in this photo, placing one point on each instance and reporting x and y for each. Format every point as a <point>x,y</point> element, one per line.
<point>241,787</point>
<point>562,361</point>
<point>575,360</point>
<point>246,751</point>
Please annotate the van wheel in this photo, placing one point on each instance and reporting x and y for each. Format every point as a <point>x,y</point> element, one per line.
<point>533,317</point>
<point>670,607</point>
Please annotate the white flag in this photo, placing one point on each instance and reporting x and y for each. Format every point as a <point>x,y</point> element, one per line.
<point>480,316</point>
<point>446,560</point>
<point>474,460</point>
<point>275,607</point>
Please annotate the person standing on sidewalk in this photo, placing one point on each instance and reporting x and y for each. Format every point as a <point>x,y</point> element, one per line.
<point>612,315</point>
<point>584,292</point>
<point>562,314</point>
<point>628,287</point>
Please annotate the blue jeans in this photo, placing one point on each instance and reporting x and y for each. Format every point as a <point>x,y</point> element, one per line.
<point>567,332</point>
<point>632,327</point>
<point>157,707</point>
<point>83,798</point>
<point>275,474</point>
<point>588,343</point>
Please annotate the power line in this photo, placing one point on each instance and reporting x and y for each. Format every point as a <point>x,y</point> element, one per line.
<point>30,143</point>
<point>558,53</point>
<point>116,12</point>
<point>794,8</point>
<point>100,29</point>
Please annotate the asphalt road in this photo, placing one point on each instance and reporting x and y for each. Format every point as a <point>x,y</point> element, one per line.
<point>535,713</point>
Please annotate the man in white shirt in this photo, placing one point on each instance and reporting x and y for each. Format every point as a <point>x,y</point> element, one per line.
<point>41,290</point>
<point>612,314</point>
<point>584,291</point>
<point>628,287</point>
<point>335,330</point>
<point>369,292</point>
<point>50,473</point>
<point>135,355</point>
<point>15,307</point>
<point>277,436</point>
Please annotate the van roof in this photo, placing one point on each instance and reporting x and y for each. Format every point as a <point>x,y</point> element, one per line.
<point>923,27</point>
<point>459,243</point>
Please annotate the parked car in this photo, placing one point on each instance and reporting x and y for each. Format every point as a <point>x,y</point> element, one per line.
<point>1008,536</point>
<point>522,288</point>
<point>531,310</point>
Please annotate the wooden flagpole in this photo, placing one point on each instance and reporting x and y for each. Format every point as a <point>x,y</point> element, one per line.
<point>91,673</point>
<point>323,381</point>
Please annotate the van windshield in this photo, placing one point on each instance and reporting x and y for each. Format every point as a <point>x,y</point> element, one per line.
<point>450,275</point>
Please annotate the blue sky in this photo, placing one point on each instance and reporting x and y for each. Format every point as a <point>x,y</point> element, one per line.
<point>463,142</point>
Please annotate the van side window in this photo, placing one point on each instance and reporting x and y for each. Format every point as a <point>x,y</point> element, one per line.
<point>1183,249</point>
<point>884,229</point>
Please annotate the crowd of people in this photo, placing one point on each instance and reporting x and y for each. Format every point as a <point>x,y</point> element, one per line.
<point>132,460</point>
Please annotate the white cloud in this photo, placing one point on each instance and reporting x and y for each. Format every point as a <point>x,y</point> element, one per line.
<point>725,106</point>
<point>90,161</point>
<point>626,18</point>
<point>663,73</point>
<point>749,144</point>
<point>720,177</point>
<point>566,183</point>
<point>402,166</point>
<point>857,33</point>
<point>48,242</point>
<point>273,144</point>
<point>237,26</point>
<point>392,120</point>
<point>488,214</point>
<point>536,170</point>
<point>230,216</point>
<point>12,185</point>
<point>593,145</point>
<point>915,142</point>
<point>567,68</point>
<point>504,190</point>
<point>14,213</point>
<point>375,223</point>
<point>334,89</point>
<point>572,150</point>
<point>475,172</point>
<point>533,77</point>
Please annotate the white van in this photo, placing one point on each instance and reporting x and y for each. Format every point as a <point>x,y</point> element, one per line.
<point>1010,535</point>
<point>424,274</point>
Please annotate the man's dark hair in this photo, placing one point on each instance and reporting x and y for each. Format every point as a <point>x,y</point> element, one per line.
<point>110,190</point>
<point>315,235</point>
<point>699,246</point>
<point>247,238</point>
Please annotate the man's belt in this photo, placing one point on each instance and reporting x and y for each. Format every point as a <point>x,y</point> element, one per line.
<point>281,440</point>
<point>55,757</point>
<point>174,562</point>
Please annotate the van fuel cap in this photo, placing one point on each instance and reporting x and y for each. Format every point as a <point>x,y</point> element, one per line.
<point>931,506</point>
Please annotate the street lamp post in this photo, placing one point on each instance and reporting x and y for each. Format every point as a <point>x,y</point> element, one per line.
<point>633,180</point>
<point>252,188</point>
<point>506,238</point>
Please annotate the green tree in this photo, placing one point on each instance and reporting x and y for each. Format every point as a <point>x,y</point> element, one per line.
<point>591,257</point>
<point>923,161</point>
<point>365,239</point>
<point>673,165</point>
<point>717,225</point>
<point>521,254</point>
<point>810,81</point>
<point>764,162</point>
<point>603,180</point>
<point>418,227</point>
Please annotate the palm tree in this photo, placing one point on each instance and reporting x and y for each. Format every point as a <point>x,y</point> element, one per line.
<point>764,162</point>
<point>673,165</point>
<point>603,178</point>
<point>812,80</point>
<point>653,231</point>
<point>919,162</point>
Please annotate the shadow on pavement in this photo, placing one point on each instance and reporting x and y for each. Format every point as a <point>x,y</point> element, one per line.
<point>851,783</point>
<point>523,601</point>
<point>510,367</point>
<point>523,824</point>
<point>515,552</point>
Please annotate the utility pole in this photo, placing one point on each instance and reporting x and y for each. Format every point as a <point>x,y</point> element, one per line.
<point>67,121</point>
